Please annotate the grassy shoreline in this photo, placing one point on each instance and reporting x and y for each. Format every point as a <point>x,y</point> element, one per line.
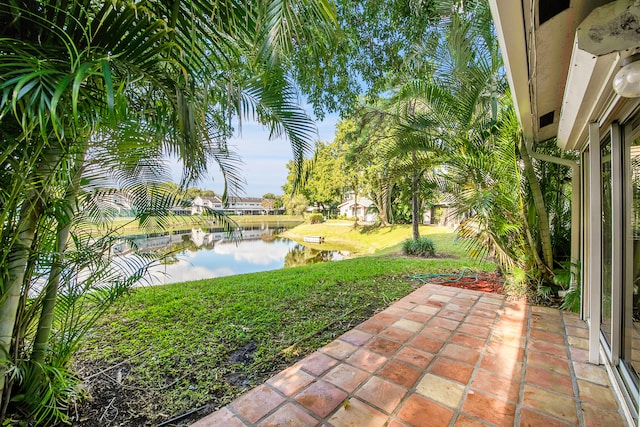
<point>166,350</point>
<point>371,240</point>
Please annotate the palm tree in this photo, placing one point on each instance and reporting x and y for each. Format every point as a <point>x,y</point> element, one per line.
<point>466,99</point>
<point>176,70</point>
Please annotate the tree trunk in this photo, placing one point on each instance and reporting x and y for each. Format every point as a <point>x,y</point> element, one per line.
<point>355,207</point>
<point>538,201</point>
<point>530,241</point>
<point>415,202</point>
<point>30,214</point>
<point>382,198</point>
<point>45,322</point>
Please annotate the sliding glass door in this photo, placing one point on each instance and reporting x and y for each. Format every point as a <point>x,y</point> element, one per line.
<point>630,295</point>
<point>619,246</point>
<point>606,291</point>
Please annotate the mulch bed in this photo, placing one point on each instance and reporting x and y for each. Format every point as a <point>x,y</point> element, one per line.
<point>486,282</point>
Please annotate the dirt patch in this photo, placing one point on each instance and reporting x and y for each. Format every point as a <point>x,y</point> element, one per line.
<point>244,354</point>
<point>486,282</point>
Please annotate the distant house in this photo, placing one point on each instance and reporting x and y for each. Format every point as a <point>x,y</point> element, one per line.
<point>235,205</point>
<point>360,209</point>
<point>444,214</point>
<point>202,204</point>
<point>180,210</point>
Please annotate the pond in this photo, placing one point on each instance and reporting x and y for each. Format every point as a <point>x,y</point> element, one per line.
<point>198,253</point>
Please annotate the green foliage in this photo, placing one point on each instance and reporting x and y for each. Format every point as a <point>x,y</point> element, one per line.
<point>273,201</point>
<point>315,218</point>
<point>572,300</point>
<point>562,275</point>
<point>562,278</point>
<point>381,42</point>
<point>422,246</point>
<point>517,283</point>
<point>295,204</point>
<point>324,179</point>
<point>555,184</point>
<point>93,95</point>
<point>45,391</point>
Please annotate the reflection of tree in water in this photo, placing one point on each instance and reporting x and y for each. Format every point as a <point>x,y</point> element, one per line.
<point>302,255</point>
<point>171,252</point>
<point>269,237</point>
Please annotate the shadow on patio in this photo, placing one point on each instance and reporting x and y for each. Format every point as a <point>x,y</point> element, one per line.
<point>440,356</point>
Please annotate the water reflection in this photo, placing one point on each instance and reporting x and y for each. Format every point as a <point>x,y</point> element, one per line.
<point>198,253</point>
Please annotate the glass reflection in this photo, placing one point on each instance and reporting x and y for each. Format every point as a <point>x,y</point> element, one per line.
<point>607,236</point>
<point>632,351</point>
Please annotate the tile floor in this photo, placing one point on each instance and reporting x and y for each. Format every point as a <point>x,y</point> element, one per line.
<point>441,356</point>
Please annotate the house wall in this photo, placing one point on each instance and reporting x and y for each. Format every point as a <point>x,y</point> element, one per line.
<point>349,209</point>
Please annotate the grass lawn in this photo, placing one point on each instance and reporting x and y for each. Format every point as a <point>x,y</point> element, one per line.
<point>365,240</point>
<point>166,350</point>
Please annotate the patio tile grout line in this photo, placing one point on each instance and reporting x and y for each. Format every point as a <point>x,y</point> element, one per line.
<point>425,371</point>
<point>393,415</point>
<point>435,358</point>
<point>353,394</point>
<point>458,409</point>
<point>571,375</point>
<point>476,368</point>
<point>525,360</point>
<point>572,372</point>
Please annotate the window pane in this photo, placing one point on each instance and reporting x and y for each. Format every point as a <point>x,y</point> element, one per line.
<point>607,237</point>
<point>632,352</point>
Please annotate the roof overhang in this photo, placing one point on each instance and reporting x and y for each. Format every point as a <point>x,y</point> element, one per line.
<point>559,87</point>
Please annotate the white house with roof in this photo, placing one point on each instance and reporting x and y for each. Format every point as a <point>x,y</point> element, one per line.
<point>359,208</point>
<point>235,205</point>
<point>575,76</point>
<point>202,204</point>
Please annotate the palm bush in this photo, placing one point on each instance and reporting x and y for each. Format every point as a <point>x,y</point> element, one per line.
<point>93,96</point>
<point>423,246</point>
<point>315,218</point>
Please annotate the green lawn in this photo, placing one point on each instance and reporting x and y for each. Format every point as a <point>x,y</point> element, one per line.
<point>364,240</point>
<point>178,347</point>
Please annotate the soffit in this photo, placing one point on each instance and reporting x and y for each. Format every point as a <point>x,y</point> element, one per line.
<point>537,58</point>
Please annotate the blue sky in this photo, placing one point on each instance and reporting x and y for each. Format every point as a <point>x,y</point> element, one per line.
<point>264,160</point>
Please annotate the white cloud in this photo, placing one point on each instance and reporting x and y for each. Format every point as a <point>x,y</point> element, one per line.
<point>255,254</point>
<point>183,271</point>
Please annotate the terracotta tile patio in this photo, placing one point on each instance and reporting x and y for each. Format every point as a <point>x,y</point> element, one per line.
<point>440,356</point>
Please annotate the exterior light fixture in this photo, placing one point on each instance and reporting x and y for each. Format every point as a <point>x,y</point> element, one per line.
<point>626,83</point>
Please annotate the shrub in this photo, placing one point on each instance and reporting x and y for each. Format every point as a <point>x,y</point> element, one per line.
<point>315,218</point>
<point>420,247</point>
<point>572,301</point>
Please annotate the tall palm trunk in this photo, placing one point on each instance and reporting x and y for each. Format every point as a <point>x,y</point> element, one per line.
<point>415,201</point>
<point>355,207</point>
<point>45,321</point>
<point>382,201</point>
<point>538,201</point>
<point>31,212</point>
